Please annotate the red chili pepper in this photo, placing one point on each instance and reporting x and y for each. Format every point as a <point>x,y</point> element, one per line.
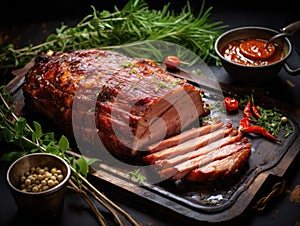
<point>254,108</point>
<point>244,123</point>
<point>260,131</point>
<point>247,110</point>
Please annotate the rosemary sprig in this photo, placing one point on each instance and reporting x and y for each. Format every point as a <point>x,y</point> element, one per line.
<point>135,22</point>
<point>15,130</point>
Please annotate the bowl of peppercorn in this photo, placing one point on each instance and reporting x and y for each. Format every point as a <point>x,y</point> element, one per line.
<point>38,183</point>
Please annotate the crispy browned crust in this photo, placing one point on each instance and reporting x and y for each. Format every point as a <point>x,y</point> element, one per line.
<point>117,97</point>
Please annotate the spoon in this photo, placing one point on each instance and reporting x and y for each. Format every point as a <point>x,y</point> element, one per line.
<point>286,31</point>
<point>257,49</point>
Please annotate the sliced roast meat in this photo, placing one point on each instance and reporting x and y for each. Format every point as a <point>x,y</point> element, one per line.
<point>173,119</point>
<point>181,170</point>
<point>172,161</point>
<point>223,168</point>
<point>128,103</point>
<point>184,136</point>
<point>188,146</point>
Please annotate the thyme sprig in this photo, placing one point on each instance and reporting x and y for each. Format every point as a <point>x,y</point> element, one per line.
<point>135,22</point>
<point>17,131</point>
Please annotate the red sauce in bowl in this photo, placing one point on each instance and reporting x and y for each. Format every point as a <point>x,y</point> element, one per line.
<point>253,52</point>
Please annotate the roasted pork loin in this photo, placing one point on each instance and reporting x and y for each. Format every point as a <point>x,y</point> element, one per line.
<point>128,103</point>
<point>137,110</point>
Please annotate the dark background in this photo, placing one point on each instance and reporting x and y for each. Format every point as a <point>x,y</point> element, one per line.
<point>18,11</point>
<point>30,21</point>
<point>231,12</point>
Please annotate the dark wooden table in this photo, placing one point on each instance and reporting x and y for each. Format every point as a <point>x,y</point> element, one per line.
<point>38,23</point>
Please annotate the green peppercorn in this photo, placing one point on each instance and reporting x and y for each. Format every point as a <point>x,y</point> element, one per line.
<point>40,179</point>
<point>284,119</point>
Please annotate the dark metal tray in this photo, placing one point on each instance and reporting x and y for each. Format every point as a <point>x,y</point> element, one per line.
<point>209,202</point>
<point>218,202</point>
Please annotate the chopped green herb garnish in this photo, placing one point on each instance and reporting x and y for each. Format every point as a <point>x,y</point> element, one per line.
<point>162,84</point>
<point>136,175</point>
<point>271,120</point>
<point>127,64</point>
<point>135,85</point>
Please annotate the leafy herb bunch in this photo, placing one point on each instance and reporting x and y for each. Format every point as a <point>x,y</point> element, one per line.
<point>135,22</point>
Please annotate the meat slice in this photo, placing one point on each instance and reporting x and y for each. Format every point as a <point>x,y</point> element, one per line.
<point>181,170</point>
<point>188,146</point>
<point>223,168</point>
<point>184,136</point>
<point>128,103</point>
<point>172,161</point>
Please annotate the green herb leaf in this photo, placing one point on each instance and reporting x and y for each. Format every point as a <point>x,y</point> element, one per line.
<point>92,161</point>
<point>37,134</point>
<point>136,175</point>
<point>63,144</point>
<point>52,148</point>
<point>82,166</point>
<point>20,126</point>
